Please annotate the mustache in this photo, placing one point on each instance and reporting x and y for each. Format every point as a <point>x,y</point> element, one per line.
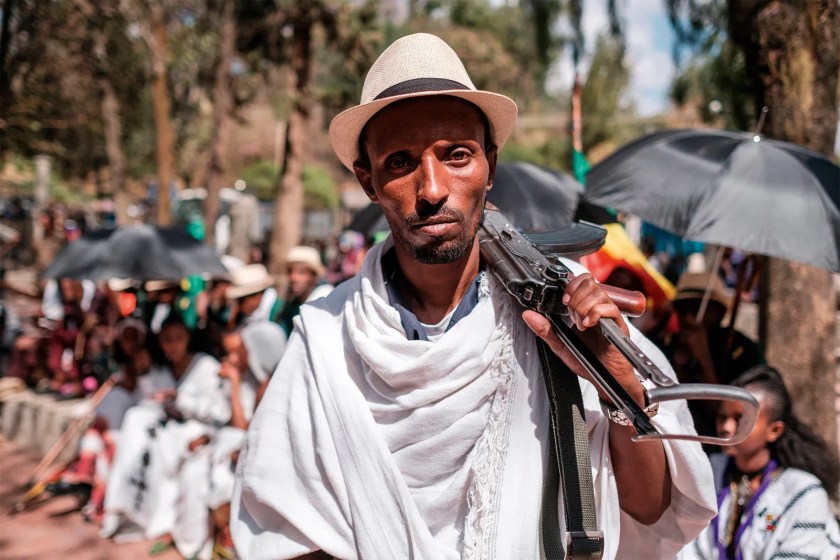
<point>434,212</point>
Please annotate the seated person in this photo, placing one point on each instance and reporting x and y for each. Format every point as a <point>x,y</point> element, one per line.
<point>252,296</point>
<point>142,488</point>
<point>206,481</point>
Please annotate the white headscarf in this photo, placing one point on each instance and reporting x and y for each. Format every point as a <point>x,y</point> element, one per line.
<point>265,343</point>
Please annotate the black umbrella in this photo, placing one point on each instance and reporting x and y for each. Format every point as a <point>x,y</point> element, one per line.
<point>140,253</point>
<point>728,188</point>
<point>532,197</point>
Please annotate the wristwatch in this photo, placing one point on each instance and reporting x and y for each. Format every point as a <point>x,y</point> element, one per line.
<point>615,415</point>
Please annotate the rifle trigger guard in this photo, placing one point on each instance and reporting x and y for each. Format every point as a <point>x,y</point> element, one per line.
<point>709,392</point>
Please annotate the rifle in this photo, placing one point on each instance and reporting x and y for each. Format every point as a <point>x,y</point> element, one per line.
<point>538,282</point>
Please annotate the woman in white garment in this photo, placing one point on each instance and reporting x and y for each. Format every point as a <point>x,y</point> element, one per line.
<point>142,489</point>
<point>98,444</point>
<point>206,479</point>
<point>774,487</point>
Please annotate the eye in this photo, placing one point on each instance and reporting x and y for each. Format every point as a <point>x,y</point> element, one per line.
<point>460,154</point>
<point>397,162</point>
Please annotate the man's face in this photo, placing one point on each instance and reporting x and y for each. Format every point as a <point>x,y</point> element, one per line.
<point>301,281</point>
<point>249,303</point>
<point>430,172</point>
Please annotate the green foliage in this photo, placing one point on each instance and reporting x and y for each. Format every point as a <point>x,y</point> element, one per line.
<point>716,83</point>
<point>320,190</point>
<point>554,153</point>
<point>261,178</point>
<point>602,94</point>
<point>715,79</point>
<point>343,64</point>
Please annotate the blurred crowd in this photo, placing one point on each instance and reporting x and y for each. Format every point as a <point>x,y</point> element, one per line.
<point>175,371</point>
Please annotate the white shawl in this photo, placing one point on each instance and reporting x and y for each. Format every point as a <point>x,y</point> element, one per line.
<point>369,445</point>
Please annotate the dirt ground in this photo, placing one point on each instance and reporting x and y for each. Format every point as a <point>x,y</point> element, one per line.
<point>51,529</point>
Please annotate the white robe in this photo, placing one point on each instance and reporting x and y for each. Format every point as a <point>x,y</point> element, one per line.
<point>205,481</point>
<point>368,445</point>
<point>792,519</point>
<point>142,485</point>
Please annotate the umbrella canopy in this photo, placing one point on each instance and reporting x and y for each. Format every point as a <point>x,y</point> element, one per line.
<point>141,253</point>
<point>532,197</point>
<point>728,188</point>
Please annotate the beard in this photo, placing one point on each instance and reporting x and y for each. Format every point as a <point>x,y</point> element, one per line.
<point>438,251</point>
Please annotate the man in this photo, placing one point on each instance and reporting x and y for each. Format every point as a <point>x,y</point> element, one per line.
<point>305,273</point>
<point>410,419</point>
<point>253,295</point>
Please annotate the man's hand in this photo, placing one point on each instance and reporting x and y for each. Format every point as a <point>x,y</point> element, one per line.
<point>588,303</point>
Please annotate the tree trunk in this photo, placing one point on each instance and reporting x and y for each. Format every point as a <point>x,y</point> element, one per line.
<point>113,147</point>
<point>162,112</point>
<point>113,130</point>
<point>5,86</point>
<point>792,52</point>
<point>288,210</point>
<point>222,108</point>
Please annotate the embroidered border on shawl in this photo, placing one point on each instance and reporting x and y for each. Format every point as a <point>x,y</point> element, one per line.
<point>488,463</point>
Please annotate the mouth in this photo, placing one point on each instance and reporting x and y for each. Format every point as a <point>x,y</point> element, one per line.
<point>436,227</point>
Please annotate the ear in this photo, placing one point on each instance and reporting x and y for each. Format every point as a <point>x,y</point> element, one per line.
<point>774,431</point>
<point>491,154</point>
<point>363,175</point>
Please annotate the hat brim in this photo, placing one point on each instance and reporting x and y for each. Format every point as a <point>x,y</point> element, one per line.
<point>317,271</point>
<point>236,292</point>
<point>346,127</point>
<point>693,293</point>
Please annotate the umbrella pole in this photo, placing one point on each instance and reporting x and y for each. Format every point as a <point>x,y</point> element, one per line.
<point>743,280</point>
<point>708,293</point>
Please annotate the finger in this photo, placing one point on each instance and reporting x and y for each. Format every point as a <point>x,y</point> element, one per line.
<point>573,286</point>
<point>583,306</point>
<point>542,328</point>
<point>604,311</point>
<point>580,289</point>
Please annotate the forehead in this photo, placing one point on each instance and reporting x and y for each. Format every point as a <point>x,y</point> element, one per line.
<point>424,120</point>
<point>232,339</point>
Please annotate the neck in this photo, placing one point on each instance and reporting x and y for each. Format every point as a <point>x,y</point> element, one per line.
<point>754,462</point>
<point>179,368</point>
<point>433,290</point>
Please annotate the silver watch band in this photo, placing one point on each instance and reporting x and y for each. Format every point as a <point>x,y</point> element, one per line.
<point>618,417</point>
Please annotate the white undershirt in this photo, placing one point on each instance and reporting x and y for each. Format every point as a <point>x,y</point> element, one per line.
<point>434,332</point>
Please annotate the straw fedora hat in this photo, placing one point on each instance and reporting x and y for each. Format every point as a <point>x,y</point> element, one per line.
<point>307,256</point>
<point>415,66</point>
<point>692,285</point>
<point>248,280</point>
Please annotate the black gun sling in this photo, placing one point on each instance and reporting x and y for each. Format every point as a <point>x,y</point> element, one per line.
<point>571,467</point>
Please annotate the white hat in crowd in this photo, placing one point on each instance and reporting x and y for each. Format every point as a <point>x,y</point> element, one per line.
<point>307,256</point>
<point>248,280</point>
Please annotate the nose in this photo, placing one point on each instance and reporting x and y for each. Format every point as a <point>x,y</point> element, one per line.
<point>433,188</point>
<point>728,427</point>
